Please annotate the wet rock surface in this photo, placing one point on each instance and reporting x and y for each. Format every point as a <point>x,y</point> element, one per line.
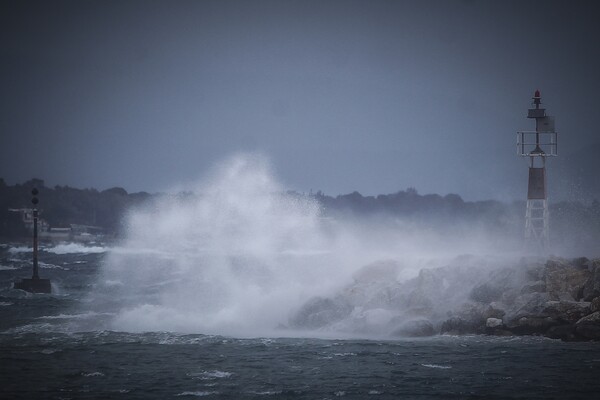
<point>557,298</point>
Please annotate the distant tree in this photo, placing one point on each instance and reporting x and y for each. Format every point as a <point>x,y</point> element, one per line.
<point>115,190</point>
<point>34,183</point>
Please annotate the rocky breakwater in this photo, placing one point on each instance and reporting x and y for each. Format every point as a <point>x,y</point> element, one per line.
<point>557,298</point>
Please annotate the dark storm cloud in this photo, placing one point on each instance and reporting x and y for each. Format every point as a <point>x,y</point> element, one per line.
<point>342,95</point>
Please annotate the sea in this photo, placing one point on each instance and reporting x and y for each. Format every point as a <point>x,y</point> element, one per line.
<point>50,349</point>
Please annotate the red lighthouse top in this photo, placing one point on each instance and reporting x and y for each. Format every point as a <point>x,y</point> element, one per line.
<point>537,99</point>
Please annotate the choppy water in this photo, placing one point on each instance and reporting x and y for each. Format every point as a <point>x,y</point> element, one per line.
<point>48,349</point>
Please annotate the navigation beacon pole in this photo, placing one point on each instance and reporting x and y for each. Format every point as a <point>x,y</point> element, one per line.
<point>35,201</point>
<point>35,284</point>
<point>537,145</point>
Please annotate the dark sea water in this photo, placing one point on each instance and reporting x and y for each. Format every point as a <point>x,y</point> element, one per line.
<point>46,352</point>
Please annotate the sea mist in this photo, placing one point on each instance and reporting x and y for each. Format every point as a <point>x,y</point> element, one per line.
<point>240,256</point>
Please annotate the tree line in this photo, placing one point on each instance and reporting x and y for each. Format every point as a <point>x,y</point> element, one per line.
<point>61,206</point>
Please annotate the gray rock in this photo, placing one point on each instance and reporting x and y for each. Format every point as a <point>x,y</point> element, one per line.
<point>531,325</point>
<point>588,327</point>
<point>537,286</point>
<point>593,318</point>
<point>499,282</point>
<point>534,271</point>
<point>561,277</point>
<point>591,288</point>
<point>493,322</point>
<point>580,262</point>
<point>564,296</point>
<point>595,304</point>
<point>486,293</point>
<point>509,296</point>
<point>566,311</point>
<point>531,304</point>
<point>495,310</point>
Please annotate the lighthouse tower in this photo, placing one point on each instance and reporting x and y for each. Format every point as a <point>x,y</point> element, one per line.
<point>537,145</point>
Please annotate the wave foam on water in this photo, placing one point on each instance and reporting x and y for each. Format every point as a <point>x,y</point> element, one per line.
<point>20,249</point>
<point>209,375</point>
<point>73,248</point>
<point>86,315</point>
<point>436,366</point>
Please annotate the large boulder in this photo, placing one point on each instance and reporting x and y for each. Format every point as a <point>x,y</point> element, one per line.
<point>567,311</point>
<point>534,271</point>
<point>591,288</point>
<point>529,304</point>
<point>486,293</point>
<point>495,310</point>
<point>376,286</point>
<point>470,318</point>
<point>588,327</point>
<point>565,281</point>
<point>493,323</point>
<point>498,282</point>
<point>595,304</point>
<point>532,287</point>
<point>528,314</point>
<point>593,318</point>
<point>531,325</point>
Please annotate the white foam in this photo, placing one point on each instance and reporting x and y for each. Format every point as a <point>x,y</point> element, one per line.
<point>7,268</point>
<point>85,315</point>
<point>267,393</point>
<point>20,249</point>
<point>344,354</point>
<point>197,394</point>
<point>90,374</point>
<point>210,375</point>
<point>436,366</point>
<point>51,266</point>
<point>71,248</point>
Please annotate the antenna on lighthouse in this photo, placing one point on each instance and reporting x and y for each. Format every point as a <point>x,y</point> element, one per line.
<point>537,145</point>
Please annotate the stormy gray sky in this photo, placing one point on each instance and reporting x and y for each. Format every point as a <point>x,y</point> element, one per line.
<point>374,96</point>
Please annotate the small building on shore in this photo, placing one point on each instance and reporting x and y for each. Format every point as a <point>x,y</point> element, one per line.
<point>73,232</point>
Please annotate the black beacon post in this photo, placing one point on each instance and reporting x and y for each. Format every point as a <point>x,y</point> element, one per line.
<point>35,284</point>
